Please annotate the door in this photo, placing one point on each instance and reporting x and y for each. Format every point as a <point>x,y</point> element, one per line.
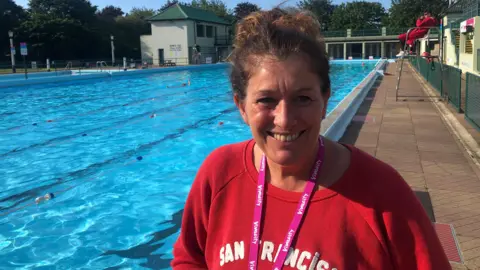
<point>161,57</point>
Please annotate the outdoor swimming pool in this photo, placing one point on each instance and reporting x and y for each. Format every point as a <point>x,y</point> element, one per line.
<point>120,155</point>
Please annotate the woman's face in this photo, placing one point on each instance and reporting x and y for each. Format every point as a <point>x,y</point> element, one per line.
<point>284,107</point>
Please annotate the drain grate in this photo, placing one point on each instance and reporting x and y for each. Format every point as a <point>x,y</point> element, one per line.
<point>446,233</point>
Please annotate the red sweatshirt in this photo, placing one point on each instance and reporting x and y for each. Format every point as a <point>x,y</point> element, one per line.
<point>369,219</point>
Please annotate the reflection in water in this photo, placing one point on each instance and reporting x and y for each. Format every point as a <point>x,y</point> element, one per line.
<point>145,250</point>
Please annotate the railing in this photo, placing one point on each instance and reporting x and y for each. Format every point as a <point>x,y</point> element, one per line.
<point>367,33</point>
<point>69,66</point>
<point>430,71</point>
<point>452,85</point>
<point>338,33</point>
<point>450,82</point>
<point>472,100</point>
<point>396,31</point>
<point>223,40</point>
<point>371,32</point>
<point>101,65</point>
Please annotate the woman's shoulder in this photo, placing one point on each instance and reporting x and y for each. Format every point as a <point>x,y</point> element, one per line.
<point>227,155</point>
<point>224,163</point>
<point>378,181</point>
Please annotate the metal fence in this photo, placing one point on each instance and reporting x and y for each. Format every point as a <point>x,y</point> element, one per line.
<point>59,66</point>
<point>447,81</point>
<point>472,100</point>
<point>430,71</point>
<point>452,85</point>
<point>396,31</point>
<point>366,33</point>
<point>339,33</point>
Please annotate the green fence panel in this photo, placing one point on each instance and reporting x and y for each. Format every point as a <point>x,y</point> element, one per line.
<point>430,71</point>
<point>435,75</point>
<point>472,100</point>
<point>424,68</point>
<point>452,85</point>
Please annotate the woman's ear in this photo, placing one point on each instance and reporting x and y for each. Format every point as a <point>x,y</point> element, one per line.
<point>241,107</point>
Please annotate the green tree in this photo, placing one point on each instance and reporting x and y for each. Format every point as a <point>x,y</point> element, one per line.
<point>170,3</point>
<point>242,9</point>
<point>61,29</point>
<point>129,29</point>
<point>358,15</point>
<point>110,13</point>
<point>217,6</point>
<point>11,16</point>
<point>404,13</point>
<point>141,13</point>
<point>323,9</point>
<point>290,9</point>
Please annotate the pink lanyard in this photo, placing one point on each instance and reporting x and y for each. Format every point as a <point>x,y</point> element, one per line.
<point>292,230</point>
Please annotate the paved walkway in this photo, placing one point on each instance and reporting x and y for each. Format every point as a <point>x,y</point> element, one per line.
<point>412,137</point>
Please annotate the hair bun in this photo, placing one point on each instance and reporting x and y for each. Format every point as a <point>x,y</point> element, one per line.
<point>256,23</point>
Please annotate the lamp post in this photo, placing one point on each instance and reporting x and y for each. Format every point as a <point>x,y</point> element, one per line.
<point>12,51</point>
<point>113,49</point>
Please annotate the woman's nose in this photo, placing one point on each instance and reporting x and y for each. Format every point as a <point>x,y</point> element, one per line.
<point>284,116</point>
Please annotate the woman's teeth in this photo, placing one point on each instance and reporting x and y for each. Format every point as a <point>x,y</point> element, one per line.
<point>286,138</point>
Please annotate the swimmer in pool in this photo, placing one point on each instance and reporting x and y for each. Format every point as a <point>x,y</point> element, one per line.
<point>183,85</point>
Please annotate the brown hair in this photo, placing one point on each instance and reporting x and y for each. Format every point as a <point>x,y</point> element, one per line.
<point>277,34</point>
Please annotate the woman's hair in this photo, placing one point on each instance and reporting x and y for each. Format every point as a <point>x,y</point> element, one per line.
<point>278,35</point>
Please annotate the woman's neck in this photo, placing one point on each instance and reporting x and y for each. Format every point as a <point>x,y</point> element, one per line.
<point>292,178</point>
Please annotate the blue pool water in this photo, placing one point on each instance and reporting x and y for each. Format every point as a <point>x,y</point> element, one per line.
<point>120,155</point>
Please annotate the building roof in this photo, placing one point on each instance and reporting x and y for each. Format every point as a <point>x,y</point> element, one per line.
<point>182,12</point>
<point>455,7</point>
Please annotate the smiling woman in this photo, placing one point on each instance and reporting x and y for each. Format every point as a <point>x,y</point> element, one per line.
<point>289,198</point>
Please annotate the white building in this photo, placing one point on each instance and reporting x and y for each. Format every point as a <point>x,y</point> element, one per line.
<point>179,29</point>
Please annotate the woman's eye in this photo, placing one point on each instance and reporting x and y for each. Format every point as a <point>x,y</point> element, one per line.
<point>304,99</point>
<point>266,100</point>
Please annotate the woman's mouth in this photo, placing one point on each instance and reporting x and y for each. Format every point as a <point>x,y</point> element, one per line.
<point>285,137</point>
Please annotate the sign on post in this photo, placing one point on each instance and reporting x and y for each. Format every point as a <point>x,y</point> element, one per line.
<point>12,50</point>
<point>23,48</point>
<point>34,65</point>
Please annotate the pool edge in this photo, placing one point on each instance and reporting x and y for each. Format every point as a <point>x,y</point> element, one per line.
<point>337,121</point>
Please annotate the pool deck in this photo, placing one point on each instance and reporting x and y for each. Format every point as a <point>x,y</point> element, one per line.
<point>413,137</point>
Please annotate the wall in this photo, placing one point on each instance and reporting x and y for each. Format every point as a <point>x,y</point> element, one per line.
<point>164,34</point>
<point>450,54</point>
<point>206,41</point>
<point>207,44</point>
<point>468,62</point>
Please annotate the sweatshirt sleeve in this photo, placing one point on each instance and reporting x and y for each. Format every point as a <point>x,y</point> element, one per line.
<point>189,250</point>
<point>412,239</point>
<point>419,22</point>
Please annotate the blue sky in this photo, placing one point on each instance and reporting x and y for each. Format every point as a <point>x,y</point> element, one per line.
<point>126,5</point>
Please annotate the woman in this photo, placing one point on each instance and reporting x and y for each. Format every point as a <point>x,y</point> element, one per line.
<point>289,197</point>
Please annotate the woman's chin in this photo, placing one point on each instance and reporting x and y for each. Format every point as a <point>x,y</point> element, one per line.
<point>284,157</point>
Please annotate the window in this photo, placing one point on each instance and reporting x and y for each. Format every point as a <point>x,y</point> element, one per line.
<point>209,31</point>
<point>457,40</point>
<point>468,43</point>
<point>200,30</point>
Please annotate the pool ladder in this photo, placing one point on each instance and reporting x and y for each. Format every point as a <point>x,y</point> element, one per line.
<point>101,64</point>
<point>69,66</point>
